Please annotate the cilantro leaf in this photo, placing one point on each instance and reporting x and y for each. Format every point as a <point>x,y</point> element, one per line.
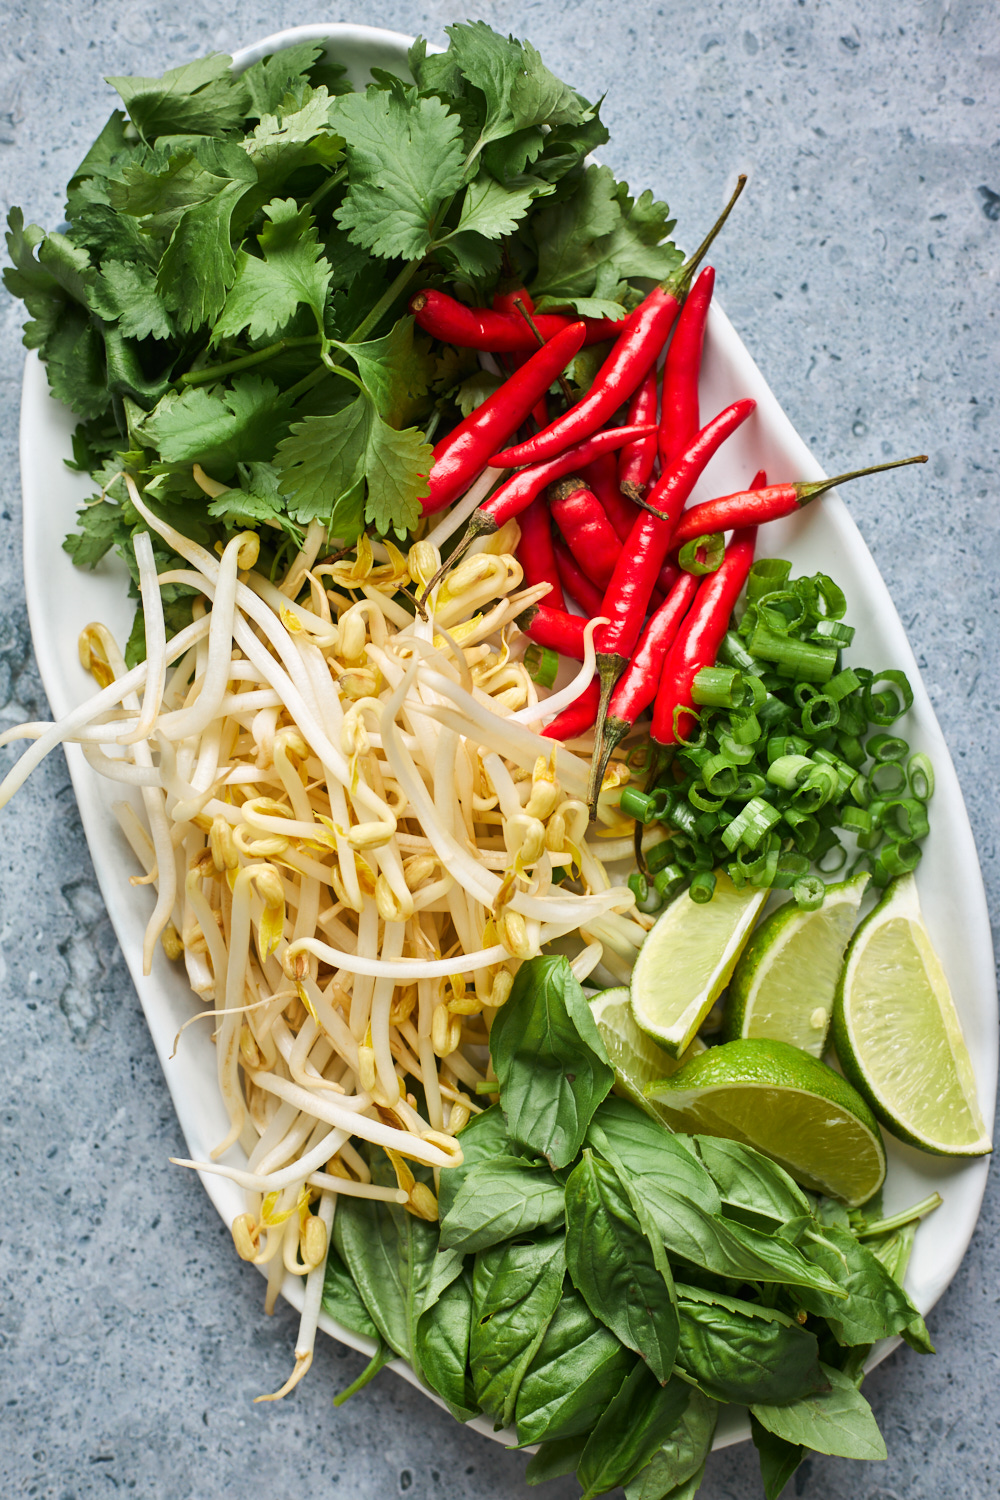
<point>268,81</point>
<point>518,88</point>
<point>266,293</point>
<point>199,263</point>
<point>325,459</point>
<point>492,210</point>
<point>219,426</point>
<point>396,370</point>
<point>163,185</point>
<point>202,97</point>
<point>257,499</point>
<point>100,526</point>
<point>599,238</point>
<point>75,363</point>
<point>405,163</point>
<point>108,235</point>
<point>288,139</point>
<point>127,291</point>
<point>31,281</point>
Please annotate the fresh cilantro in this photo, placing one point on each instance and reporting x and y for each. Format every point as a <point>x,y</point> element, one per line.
<point>325,460</point>
<point>519,91</point>
<point>267,292</point>
<point>397,370</point>
<point>405,163</point>
<point>292,138</point>
<point>269,80</point>
<point>100,526</point>
<point>202,97</point>
<point>128,293</point>
<point>219,426</point>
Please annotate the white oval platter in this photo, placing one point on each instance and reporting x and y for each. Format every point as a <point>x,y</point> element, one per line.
<point>62,599</point>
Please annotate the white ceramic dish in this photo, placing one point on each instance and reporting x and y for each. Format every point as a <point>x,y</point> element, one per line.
<point>62,599</point>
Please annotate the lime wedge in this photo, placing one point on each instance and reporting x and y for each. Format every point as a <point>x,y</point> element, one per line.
<point>898,1035</point>
<point>787,1104</point>
<point>635,1057</point>
<point>685,962</point>
<point>786,977</point>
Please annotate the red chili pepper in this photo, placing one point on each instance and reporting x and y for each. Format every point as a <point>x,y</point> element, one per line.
<point>635,463</point>
<point>518,492</point>
<point>465,452</point>
<point>507,302</point>
<point>578,718</point>
<point>633,355</point>
<point>585,529</point>
<point>670,570</point>
<point>555,628</point>
<point>575,581</point>
<point>498,331</point>
<point>534,551</point>
<point>754,507</point>
<point>700,637</point>
<point>679,418</point>
<point>602,477</point>
<point>628,594</point>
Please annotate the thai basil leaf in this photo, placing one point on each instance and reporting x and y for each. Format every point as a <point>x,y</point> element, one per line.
<point>515,1290</point>
<point>623,1274</point>
<point>778,1459</point>
<point>483,1139</point>
<point>750,1181</point>
<point>893,1251</point>
<point>394,1260</point>
<point>381,1357</point>
<point>837,1420</point>
<point>549,1059</point>
<point>553,1459</point>
<point>736,1351</point>
<point>342,1300</point>
<point>578,1368</point>
<point>630,1431</point>
<point>688,1489</point>
<point>682,1456</point>
<point>443,1347</point>
<point>623,1134</point>
<point>500,1199</point>
<point>876,1305</point>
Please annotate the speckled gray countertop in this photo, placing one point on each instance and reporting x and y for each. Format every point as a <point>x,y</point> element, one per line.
<point>863,278</point>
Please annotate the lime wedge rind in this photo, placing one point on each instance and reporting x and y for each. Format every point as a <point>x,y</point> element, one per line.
<point>636,1058</point>
<point>898,1035</point>
<point>785,980</point>
<point>792,1107</point>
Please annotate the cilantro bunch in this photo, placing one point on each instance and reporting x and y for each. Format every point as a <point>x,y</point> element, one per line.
<point>225,307</point>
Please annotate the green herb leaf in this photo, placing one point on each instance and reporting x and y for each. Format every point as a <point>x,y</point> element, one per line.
<point>778,1459</point>
<point>269,80</point>
<point>342,1300</point>
<point>630,1431</point>
<point>100,528</point>
<point>128,293</point>
<point>621,1271</point>
<point>837,1421</point>
<point>396,370</point>
<point>555,1458</point>
<point>549,1060</point>
<point>518,89</point>
<point>498,1200</point>
<point>404,158</point>
<point>876,1305</point>
<point>442,1344</point>
<point>748,1180</point>
<point>266,293</point>
<point>325,460</point>
<point>202,98</point>
<point>484,1138</point>
<point>737,1351</point>
<point>298,134</point>
<point>378,1361</point>
<point>218,426</point>
<point>626,1136</point>
<point>681,1457</point>
<point>516,1288</point>
<point>576,1371</point>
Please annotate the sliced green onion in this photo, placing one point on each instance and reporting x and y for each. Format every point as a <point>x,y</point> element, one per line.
<point>668,881</point>
<point>712,549</point>
<point>744,728</point>
<point>832,632</point>
<point>702,886</point>
<point>719,776</point>
<point>542,664</point>
<point>733,653</point>
<point>679,713</point>
<point>920,774</point>
<point>751,785</point>
<point>805,828</point>
<point>820,715</point>
<point>888,779</point>
<point>647,897</point>
<point>841,684</point>
<point>906,818</point>
<point>779,745</point>
<point>782,611</point>
<point>894,860</point>
<point>882,706</point>
<point>734,753</point>
<point>887,747</point>
<point>791,867</point>
<point>816,790</point>
<point>636,804</point>
<point>789,771</point>
<point>857,819</point>
<point>808,893</point>
<point>719,687</point>
<point>833,858</point>
<point>804,661</point>
<point>851,748</point>
<point>751,824</point>
<point>824,598</point>
<point>766,575</point>
<point>659,856</point>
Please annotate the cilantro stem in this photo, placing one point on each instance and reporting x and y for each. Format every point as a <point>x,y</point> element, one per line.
<point>326,187</point>
<point>383,304</point>
<point>314,378</point>
<point>246,361</point>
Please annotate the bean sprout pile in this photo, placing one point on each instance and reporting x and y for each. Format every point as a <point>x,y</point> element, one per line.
<point>355,834</point>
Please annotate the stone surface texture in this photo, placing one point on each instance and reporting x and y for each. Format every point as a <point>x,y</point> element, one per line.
<point>862,274</point>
